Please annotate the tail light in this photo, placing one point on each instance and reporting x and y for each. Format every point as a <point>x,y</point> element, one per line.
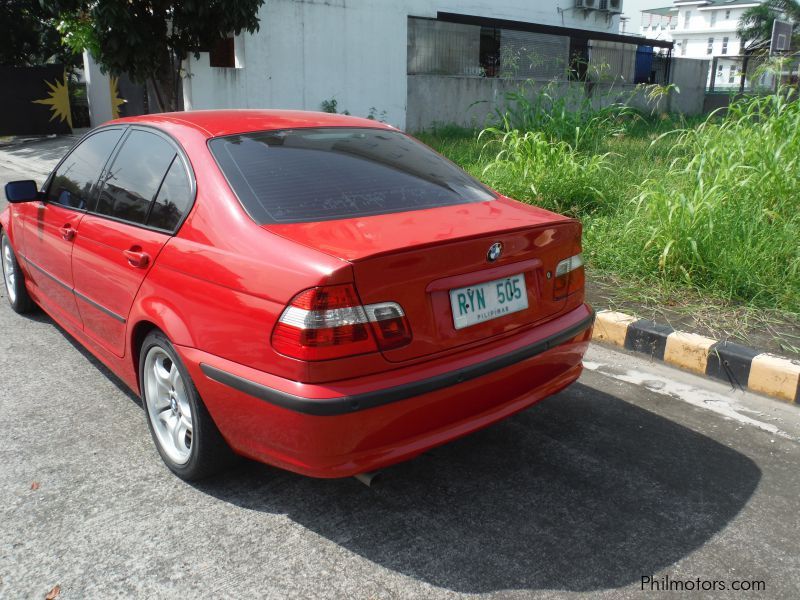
<point>570,276</point>
<point>329,322</point>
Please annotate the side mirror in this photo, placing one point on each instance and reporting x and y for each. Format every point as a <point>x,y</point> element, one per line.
<point>21,191</point>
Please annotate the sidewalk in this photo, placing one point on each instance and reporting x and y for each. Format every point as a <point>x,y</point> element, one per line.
<point>35,156</point>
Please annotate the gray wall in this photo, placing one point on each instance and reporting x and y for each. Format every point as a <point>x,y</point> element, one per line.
<point>470,101</point>
<point>690,75</point>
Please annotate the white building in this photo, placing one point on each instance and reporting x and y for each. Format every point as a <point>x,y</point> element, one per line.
<point>360,52</point>
<point>703,29</point>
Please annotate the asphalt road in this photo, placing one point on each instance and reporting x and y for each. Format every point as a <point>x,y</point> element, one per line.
<point>636,470</point>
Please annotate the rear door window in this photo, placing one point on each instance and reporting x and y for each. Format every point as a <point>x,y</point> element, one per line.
<point>133,179</point>
<point>74,180</point>
<point>318,174</point>
<point>173,199</point>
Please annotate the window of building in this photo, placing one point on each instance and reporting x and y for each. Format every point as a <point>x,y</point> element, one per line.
<point>222,54</point>
<point>490,51</point>
<point>687,16</point>
<point>713,16</point>
<point>727,15</point>
<point>684,47</point>
<point>732,74</point>
<point>578,58</point>
<point>724,45</point>
<point>710,49</point>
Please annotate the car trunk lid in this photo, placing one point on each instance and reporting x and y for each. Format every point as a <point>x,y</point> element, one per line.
<point>417,258</point>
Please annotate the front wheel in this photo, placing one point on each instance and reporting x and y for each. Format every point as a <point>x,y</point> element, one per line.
<point>186,437</point>
<point>14,279</point>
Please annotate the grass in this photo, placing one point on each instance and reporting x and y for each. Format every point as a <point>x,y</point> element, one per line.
<point>710,205</point>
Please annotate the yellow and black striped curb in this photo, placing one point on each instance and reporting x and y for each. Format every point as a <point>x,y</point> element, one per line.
<point>738,365</point>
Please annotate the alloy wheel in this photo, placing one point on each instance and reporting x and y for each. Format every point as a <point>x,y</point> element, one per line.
<point>9,271</point>
<point>168,405</point>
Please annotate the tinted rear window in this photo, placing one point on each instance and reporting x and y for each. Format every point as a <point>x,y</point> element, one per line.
<point>300,175</point>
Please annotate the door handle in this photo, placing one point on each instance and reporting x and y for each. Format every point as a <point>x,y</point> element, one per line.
<point>67,232</point>
<point>137,258</point>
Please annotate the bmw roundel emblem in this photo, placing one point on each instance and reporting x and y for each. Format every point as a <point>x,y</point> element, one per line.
<point>495,250</point>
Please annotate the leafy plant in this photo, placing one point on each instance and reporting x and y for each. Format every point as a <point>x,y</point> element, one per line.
<point>374,115</point>
<point>755,26</point>
<point>331,106</point>
<point>149,39</point>
<point>656,94</point>
<point>30,36</point>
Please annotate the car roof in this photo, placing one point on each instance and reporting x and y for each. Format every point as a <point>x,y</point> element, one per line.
<point>214,123</point>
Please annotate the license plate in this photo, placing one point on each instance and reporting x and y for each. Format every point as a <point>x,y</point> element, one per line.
<point>486,301</point>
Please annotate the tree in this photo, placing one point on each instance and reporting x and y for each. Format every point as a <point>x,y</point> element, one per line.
<point>755,26</point>
<point>29,37</point>
<point>149,39</point>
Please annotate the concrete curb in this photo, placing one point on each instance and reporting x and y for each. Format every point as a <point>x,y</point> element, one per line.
<point>742,367</point>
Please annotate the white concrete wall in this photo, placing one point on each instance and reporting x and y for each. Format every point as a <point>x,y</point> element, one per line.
<point>98,92</point>
<point>308,51</point>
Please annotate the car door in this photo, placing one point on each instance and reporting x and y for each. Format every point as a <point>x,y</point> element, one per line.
<point>50,227</point>
<point>144,195</point>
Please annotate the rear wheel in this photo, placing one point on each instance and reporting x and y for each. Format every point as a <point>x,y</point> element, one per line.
<point>14,279</point>
<point>185,435</point>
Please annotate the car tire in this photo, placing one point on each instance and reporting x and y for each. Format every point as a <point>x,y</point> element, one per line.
<point>184,433</point>
<point>14,279</point>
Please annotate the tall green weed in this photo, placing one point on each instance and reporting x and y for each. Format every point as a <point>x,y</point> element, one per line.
<point>529,167</point>
<point>725,214</point>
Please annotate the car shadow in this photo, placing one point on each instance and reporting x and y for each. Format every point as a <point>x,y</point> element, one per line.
<point>39,316</point>
<point>582,492</point>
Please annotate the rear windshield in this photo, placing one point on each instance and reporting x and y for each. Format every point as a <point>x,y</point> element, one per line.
<point>300,175</point>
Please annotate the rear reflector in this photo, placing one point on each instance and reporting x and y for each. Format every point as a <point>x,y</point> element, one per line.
<point>329,322</point>
<point>570,276</point>
<point>389,324</point>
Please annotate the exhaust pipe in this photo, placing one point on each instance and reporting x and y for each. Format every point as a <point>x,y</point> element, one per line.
<point>367,478</point>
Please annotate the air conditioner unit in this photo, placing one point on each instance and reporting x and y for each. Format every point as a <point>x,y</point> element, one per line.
<point>615,6</point>
<point>587,4</point>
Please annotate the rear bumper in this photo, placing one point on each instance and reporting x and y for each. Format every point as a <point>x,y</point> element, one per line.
<point>348,427</point>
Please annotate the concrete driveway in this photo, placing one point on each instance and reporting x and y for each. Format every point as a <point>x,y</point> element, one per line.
<point>636,471</point>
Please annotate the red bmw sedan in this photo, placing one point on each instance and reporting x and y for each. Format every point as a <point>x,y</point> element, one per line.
<point>318,292</point>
